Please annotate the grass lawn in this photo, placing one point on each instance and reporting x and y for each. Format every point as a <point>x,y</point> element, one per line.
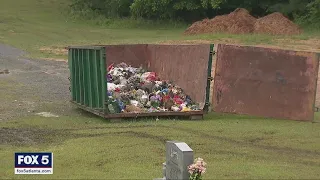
<point>87,147</point>
<point>44,28</point>
<point>234,146</point>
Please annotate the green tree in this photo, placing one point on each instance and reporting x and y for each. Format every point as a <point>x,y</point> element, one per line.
<point>305,11</point>
<point>173,9</point>
<point>108,8</point>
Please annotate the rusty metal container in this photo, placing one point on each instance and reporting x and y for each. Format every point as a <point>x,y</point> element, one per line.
<point>188,66</point>
<point>265,82</point>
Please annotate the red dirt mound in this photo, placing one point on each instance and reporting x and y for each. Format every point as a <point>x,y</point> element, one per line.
<point>276,24</point>
<point>237,22</point>
<point>241,22</point>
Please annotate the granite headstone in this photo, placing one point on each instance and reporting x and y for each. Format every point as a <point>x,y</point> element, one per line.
<point>178,157</point>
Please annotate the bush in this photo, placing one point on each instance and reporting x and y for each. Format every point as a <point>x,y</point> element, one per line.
<point>186,10</point>
<point>107,8</point>
<point>312,15</point>
<point>304,11</point>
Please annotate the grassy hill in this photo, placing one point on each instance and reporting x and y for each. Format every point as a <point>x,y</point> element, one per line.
<point>86,147</point>
<point>45,27</point>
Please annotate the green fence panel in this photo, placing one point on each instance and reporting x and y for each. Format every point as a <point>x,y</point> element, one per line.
<point>99,78</point>
<point>103,78</point>
<point>89,85</point>
<point>87,76</point>
<point>81,76</point>
<point>77,75</point>
<point>207,103</point>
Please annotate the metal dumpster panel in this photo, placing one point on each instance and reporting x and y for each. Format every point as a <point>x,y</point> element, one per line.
<point>132,54</point>
<point>138,115</point>
<point>185,65</point>
<point>87,71</point>
<point>265,82</point>
<point>88,67</point>
<point>317,104</point>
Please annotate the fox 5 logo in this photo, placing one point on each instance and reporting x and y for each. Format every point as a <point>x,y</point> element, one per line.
<point>33,160</point>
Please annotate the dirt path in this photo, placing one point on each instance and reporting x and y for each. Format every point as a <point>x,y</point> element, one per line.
<point>32,86</point>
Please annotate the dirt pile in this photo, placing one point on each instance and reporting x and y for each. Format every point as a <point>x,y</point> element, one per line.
<point>276,24</point>
<point>241,22</point>
<point>237,22</point>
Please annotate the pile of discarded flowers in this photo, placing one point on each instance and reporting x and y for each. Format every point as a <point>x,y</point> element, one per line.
<point>135,90</point>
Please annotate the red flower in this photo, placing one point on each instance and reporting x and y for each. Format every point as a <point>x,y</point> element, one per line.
<point>110,67</point>
<point>152,76</point>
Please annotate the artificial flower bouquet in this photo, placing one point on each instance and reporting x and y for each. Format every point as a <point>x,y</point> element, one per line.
<point>197,169</point>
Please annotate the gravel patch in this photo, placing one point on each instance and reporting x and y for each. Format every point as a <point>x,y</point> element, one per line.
<point>32,86</point>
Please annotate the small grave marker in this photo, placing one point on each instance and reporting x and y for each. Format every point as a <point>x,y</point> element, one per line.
<point>178,157</point>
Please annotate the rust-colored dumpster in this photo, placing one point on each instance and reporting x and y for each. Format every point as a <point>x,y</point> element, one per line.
<point>188,66</point>
<point>265,82</point>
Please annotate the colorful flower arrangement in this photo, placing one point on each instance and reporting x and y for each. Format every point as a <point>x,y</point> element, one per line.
<point>197,169</point>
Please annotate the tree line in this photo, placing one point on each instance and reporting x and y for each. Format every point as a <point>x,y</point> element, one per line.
<point>302,11</point>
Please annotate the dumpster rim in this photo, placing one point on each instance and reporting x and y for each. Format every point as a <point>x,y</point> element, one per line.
<point>134,115</point>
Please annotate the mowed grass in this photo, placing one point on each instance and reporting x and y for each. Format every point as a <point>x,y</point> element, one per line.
<point>44,28</point>
<point>235,147</point>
